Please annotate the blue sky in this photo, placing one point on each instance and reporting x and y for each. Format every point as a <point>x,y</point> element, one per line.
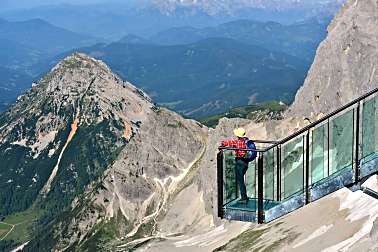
<point>12,4</point>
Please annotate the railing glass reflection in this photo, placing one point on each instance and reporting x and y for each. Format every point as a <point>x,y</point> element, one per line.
<point>341,142</point>
<point>369,143</point>
<point>292,167</point>
<point>319,157</point>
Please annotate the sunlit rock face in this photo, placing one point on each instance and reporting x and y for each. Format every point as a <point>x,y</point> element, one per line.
<point>346,63</point>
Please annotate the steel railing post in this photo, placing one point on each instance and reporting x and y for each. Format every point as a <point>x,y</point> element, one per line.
<point>357,146</point>
<point>260,189</point>
<point>220,183</point>
<point>307,171</point>
<point>278,173</point>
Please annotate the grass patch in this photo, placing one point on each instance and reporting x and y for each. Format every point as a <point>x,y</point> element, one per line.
<point>175,125</point>
<point>2,232</point>
<point>105,234</point>
<point>4,229</point>
<point>251,240</point>
<point>22,222</point>
<point>4,226</point>
<point>243,242</point>
<point>258,112</point>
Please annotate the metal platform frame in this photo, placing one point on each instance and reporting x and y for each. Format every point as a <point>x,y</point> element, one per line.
<point>346,177</point>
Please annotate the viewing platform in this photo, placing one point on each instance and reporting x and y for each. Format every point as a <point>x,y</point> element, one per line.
<point>339,150</point>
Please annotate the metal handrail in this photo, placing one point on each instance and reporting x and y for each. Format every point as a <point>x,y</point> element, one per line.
<point>314,124</point>
<point>256,150</point>
<point>265,141</point>
<point>238,149</point>
<point>310,126</point>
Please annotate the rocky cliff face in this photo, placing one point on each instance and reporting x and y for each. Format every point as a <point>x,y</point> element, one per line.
<point>346,63</point>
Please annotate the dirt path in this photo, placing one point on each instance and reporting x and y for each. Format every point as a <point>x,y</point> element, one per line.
<point>166,193</point>
<point>13,226</point>
<point>10,231</point>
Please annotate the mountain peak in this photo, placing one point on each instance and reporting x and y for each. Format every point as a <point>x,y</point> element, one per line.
<point>80,87</point>
<point>80,61</point>
<point>78,70</point>
<point>82,127</point>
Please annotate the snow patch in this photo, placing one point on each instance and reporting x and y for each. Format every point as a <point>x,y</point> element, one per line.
<point>201,197</point>
<point>202,239</point>
<point>51,153</point>
<point>372,183</point>
<point>40,145</point>
<point>43,142</point>
<point>320,231</point>
<point>22,143</point>
<point>208,238</point>
<point>360,206</point>
<point>20,248</point>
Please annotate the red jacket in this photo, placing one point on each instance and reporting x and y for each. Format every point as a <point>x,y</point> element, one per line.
<point>237,143</point>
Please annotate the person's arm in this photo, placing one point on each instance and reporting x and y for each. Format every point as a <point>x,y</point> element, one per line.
<point>228,143</point>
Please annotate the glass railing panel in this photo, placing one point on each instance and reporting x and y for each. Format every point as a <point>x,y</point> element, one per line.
<point>341,142</point>
<point>229,180</point>
<point>231,194</point>
<point>250,179</point>
<point>292,156</point>
<point>319,153</point>
<point>369,141</point>
<point>270,192</point>
<point>250,182</point>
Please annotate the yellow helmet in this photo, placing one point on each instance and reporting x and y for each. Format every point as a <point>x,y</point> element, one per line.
<point>239,132</point>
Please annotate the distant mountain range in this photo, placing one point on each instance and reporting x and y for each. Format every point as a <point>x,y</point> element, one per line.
<point>112,21</point>
<point>25,44</point>
<point>40,35</point>
<point>300,39</point>
<point>216,7</point>
<point>12,83</point>
<point>162,63</point>
<point>204,71</point>
<point>145,18</point>
<point>205,77</point>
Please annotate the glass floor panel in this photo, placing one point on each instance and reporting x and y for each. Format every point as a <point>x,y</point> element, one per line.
<point>251,205</point>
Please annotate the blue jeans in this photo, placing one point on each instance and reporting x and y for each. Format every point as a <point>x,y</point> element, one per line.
<point>241,168</point>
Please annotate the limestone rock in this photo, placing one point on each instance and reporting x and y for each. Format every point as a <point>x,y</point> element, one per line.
<point>346,62</point>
